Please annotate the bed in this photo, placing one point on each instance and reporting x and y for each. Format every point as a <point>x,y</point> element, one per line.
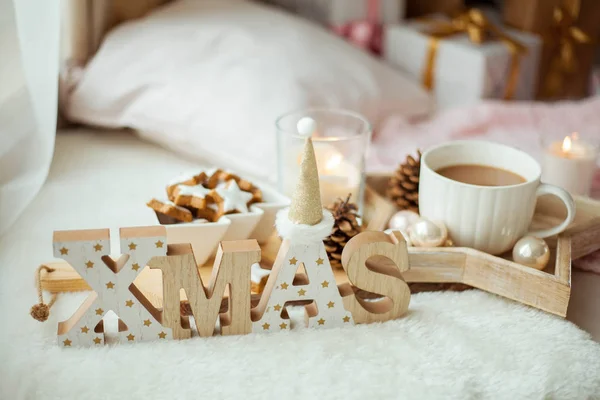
<point>450,345</point>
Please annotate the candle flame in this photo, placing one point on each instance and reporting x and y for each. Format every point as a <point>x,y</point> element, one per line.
<point>567,144</point>
<point>333,162</point>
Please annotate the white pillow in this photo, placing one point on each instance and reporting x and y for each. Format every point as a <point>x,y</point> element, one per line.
<point>208,79</point>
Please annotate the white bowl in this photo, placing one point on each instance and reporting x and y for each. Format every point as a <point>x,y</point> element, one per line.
<point>242,225</point>
<point>204,237</point>
<point>273,201</point>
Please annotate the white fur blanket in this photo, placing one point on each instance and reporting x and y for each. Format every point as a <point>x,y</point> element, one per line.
<point>467,345</point>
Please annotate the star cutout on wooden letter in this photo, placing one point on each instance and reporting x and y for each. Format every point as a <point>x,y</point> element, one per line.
<point>325,284</point>
<point>99,311</point>
<point>97,340</point>
<point>67,342</point>
<point>283,325</point>
<point>346,319</point>
<point>64,251</point>
<point>266,326</point>
<point>320,261</point>
<point>135,266</point>
<point>132,246</point>
<point>147,322</point>
<point>293,261</point>
<point>162,335</point>
<point>284,286</point>
<point>85,329</point>
<point>330,304</point>
<point>159,244</point>
<point>130,337</point>
<point>129,303</point>
<point>301,292</point>
<point>89,264</point>
<point>321,321</point>
<point>97,247</point>
<point>110,285</point>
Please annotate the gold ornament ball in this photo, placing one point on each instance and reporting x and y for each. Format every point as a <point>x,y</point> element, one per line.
<point>532,252</point>
<point>402,220</point>
<point>426,233</point>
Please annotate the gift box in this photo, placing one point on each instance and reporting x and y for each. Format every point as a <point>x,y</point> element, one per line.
<point>530,15</point>
<point>465,59</point>
<point>569,29</point>
<point>359,21</point>
<point>538,15</point>
<point>340,12</point>
<point>419,8</point>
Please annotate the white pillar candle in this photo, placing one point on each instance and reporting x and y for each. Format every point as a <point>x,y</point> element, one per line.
<point>570,164</point>
<point>338,179</point>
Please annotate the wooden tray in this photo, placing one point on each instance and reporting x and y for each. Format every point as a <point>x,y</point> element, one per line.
<point>548,290</point>
<point>584,231</point>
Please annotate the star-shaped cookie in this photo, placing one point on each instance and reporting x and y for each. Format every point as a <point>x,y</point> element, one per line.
<point>234,199</point>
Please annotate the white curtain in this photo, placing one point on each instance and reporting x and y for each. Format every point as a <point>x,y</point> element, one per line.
<point>29,63</point>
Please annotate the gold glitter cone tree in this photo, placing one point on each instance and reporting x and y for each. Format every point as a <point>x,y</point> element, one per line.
<point>403,186</point>
<point>306,207</point>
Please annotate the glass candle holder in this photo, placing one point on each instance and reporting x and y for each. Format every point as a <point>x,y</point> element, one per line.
<point>569,160</point>
<point>341,142</point>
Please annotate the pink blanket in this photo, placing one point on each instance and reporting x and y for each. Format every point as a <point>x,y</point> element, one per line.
<point>517,124</point>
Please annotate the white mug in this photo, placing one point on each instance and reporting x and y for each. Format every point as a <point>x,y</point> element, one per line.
<point>486,218</point>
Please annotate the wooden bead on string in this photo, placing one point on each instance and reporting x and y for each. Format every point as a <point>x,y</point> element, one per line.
<point>41,311</point>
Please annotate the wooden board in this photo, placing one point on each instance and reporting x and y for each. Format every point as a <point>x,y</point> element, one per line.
<point>548,290</point>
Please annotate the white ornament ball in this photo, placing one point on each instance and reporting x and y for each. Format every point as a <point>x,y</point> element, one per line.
<point>532,252</point>
<point>402,220</point>
<point>402,232</point>
<point>426,233</point>
<point>306,126</point>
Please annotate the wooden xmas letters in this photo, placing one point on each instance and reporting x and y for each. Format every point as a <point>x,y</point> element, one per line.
<point>112,284</point>
<point>374,262</point>
<point>232,267</point>
<point>315,284</point>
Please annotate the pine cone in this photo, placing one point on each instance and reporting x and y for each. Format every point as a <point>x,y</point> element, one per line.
<point>345,228</point>
<point>403,187</point>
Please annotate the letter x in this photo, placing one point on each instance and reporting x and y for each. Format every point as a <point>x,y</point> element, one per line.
<point>111,281</point>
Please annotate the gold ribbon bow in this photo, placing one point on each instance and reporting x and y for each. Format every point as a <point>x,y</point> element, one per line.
<point>479,29</point>
<point>565,36</point>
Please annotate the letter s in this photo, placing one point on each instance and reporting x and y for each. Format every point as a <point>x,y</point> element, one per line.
<point>374,262</point>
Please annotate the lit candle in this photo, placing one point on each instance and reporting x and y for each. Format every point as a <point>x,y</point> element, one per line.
<point>570,164</point>
<point>340,140</point>
<point>338,178</point>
